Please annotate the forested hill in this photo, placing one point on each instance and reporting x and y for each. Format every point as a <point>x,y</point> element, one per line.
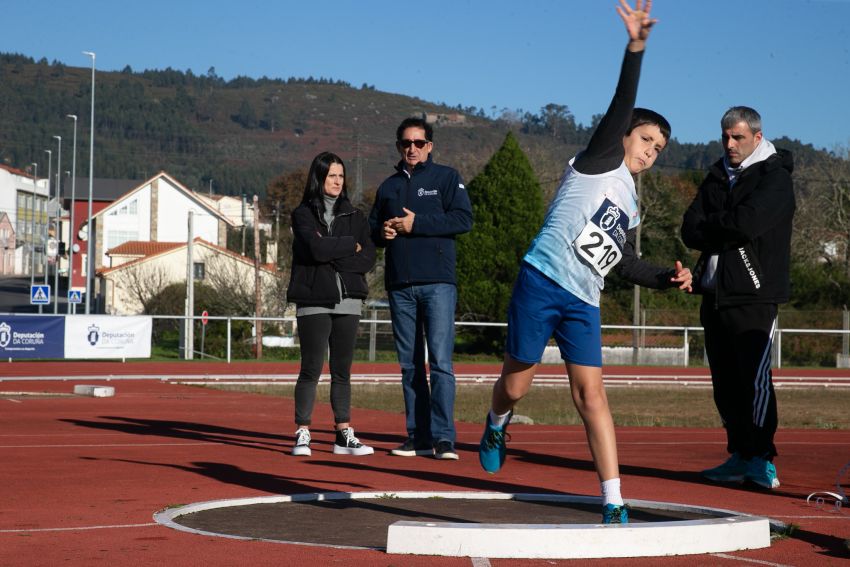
<point>244,132</point>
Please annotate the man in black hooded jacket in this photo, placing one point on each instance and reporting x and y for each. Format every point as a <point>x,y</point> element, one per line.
<point>741,222</point>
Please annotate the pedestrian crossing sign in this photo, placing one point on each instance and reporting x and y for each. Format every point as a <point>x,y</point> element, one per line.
<point>75,296</point>
<point>39,295</point>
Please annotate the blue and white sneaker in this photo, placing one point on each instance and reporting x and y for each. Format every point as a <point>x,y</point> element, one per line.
<point>613,514</point>
<point>732,470</point>
<point>762,472</point>
<point>491,450</point>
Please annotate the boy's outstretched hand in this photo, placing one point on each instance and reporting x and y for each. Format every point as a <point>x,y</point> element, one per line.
<point>638,22</point>
<point>683,277</point>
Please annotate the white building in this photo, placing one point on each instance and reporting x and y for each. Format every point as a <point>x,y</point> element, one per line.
<point>157,211</point>
<point>25,202</point>
<point>142,269</point>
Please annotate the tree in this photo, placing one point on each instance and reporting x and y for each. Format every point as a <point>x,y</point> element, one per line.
<point>507,205</point>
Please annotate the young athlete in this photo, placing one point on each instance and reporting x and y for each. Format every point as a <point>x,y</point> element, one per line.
<point>589,230</point>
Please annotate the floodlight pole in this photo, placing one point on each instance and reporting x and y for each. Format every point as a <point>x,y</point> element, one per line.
<point>32,226</point>
<point>72,230</point>
<point>91,235</point>
<point>57,231</point>
<point>44,232</point>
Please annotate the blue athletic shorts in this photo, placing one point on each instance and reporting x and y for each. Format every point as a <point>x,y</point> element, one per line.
<point>539,309</point>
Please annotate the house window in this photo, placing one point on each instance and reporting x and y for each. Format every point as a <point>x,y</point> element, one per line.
<point>116,237</point>
<point>200,272</point>
<point>130,208</point>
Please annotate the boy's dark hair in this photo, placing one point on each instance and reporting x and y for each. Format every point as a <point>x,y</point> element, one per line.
<point>414,122</point>
<point>641,116</point>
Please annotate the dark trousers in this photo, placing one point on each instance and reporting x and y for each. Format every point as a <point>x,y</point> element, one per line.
<point>318,334</point>
<point>738,341</point>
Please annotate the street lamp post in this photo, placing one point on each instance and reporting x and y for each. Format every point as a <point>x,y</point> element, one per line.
<point>32,225</point>
<point>91,235</point>
<point>57,224</point>
<point>72,229</point>
<point>47,200</point>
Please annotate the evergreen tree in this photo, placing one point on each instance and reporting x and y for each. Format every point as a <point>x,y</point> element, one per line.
<point>507,205</point>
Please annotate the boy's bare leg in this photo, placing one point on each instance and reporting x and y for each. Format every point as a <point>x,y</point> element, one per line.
<point>591,402</point>
<point>512,385</point>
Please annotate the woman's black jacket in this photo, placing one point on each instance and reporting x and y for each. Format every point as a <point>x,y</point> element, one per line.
<point>318,256</point>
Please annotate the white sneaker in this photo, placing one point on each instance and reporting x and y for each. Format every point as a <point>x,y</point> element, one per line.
<point>347,444</point>
<point>302,443</point>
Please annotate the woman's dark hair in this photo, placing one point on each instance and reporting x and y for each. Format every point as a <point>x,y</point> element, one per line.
<point>641,116</point>
<point>314,189</point>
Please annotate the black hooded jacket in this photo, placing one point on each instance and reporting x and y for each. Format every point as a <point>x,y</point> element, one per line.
<point>319,255</point>
<point>748,227</point>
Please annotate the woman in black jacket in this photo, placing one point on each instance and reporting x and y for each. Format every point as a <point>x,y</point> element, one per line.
<point>331,253</point>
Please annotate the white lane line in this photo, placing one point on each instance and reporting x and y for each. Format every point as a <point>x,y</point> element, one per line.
<point>480,562</point>
<point>747,560</point>
<point>107,445</point>
<point>81,528</point>
<point>638,443</point>
<point>54,435</point>
<point>829,517</point>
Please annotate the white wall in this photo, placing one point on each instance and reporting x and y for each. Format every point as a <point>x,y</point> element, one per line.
<point>172,211</point>
<point>171,266</point>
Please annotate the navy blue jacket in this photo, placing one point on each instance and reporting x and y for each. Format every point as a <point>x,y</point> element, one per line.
<point>436,194</point>
<point>319,255</point>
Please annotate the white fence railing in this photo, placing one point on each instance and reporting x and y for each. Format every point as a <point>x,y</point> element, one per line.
<point>372,329</point>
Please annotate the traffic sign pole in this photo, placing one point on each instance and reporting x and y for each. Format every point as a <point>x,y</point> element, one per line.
<point>205,318</point>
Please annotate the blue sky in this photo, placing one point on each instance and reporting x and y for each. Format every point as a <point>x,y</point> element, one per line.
<point>789,59</point>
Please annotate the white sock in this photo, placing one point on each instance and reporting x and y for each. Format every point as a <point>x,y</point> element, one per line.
<point>499,420</point>
<point>611,492</point>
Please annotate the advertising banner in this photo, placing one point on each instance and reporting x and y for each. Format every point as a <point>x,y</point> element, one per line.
<point>105,336</point>
<point>26,336</point>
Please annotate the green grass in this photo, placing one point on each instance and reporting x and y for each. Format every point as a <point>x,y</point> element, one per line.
<point>641,406</point>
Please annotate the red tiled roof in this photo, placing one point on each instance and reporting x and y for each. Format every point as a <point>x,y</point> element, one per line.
<point>15,170</point>
<point>143,248</point>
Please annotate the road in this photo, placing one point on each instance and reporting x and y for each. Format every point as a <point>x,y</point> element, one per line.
<point>15,295</point>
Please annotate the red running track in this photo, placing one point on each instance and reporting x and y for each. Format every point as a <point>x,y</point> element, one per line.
<point>81,477</point>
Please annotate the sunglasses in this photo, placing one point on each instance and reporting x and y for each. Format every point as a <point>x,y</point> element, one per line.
<point>407,143</point>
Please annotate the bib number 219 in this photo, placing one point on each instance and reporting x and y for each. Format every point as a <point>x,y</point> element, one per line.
<point>598,249</point>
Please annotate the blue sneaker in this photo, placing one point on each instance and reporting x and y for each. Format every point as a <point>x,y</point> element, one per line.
<point>491,450</point>
<point>732,470</point>
<point>612,514</point>
<point>762,472</point>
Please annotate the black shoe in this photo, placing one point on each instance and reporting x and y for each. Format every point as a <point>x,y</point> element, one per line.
<point>445,450</point>
<point>347,444</point>
<point>411,448</point>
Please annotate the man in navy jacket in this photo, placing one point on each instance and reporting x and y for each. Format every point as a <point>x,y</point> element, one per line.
<point>418,211</point>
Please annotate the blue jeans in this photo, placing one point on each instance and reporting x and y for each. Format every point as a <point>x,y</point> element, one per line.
<point>421,312</point>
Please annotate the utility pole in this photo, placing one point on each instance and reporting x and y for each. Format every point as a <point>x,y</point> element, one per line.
<point>243,224</point>
<point>636,300</point>
<point>258,296</point>
<point>276,233</point>
<point>189,346</point>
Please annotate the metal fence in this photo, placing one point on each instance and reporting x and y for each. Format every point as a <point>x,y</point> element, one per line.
<point>234,339</point>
